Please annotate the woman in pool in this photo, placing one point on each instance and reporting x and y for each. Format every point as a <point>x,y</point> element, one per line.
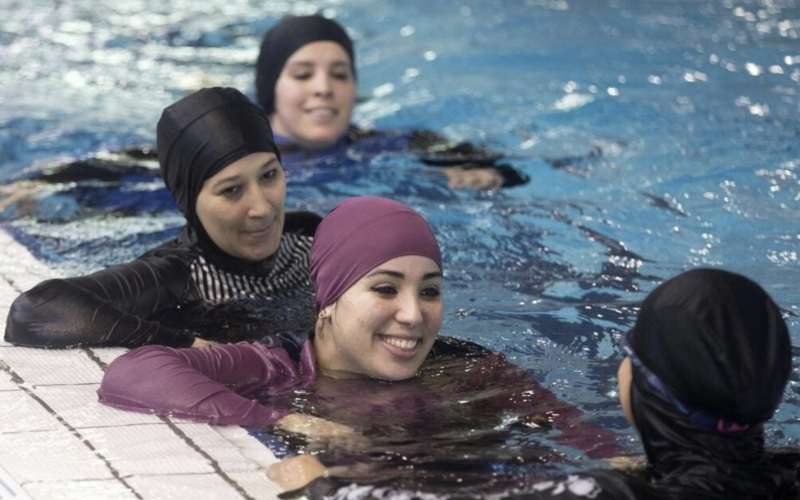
<point>377,273</point>
<point>707,364</point>
<point>238,255</point>
<point>306,83</point>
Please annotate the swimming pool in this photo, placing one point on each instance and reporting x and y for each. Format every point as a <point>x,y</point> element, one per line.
<point>694,108</point>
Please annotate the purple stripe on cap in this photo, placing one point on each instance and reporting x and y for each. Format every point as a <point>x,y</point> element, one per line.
<point>360,234</point>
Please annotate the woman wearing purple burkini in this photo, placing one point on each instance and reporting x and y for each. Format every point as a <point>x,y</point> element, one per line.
<point>377,273</point>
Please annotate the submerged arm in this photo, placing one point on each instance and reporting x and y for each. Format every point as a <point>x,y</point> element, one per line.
<point>465,164</point>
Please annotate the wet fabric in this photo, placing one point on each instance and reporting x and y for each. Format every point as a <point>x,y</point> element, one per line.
<point>714,356</point>
<point>354,150</point>
<point>284,39</point>
<point>170,295</point>
<point>194,383</point>
<point>203,133</point>
<point>358,235</point>
<point>256,383</point>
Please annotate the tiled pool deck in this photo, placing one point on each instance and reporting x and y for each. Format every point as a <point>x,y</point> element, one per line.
<point>58,442</point>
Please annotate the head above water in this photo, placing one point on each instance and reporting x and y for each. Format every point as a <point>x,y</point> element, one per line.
<point>377,272</point>
<point>709,357</point>
<point>718,343</point>
<point>305,80</point>
<point>215,135</point>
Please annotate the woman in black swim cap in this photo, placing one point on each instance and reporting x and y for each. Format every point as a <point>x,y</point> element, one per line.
<point>708,360</point>
<point>220,163</point>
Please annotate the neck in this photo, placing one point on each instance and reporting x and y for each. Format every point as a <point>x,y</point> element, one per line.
<point>325,353</point>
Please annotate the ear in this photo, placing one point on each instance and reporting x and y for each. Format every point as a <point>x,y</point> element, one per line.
<point>324,314</point>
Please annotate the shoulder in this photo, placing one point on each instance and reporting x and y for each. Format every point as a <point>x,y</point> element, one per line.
<point>301,223</point>
<point>450,346</point>
<point>292,342</point>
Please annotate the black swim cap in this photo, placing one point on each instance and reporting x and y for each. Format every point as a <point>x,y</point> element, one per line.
<point>203,133</point>
<point>283,40</point>
<point>718,342</point>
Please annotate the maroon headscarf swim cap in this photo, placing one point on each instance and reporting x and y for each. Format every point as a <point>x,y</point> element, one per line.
<point>360,234</point>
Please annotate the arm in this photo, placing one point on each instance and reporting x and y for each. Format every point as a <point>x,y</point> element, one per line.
<point>465,164</point>
<point>113,307</point>
<point>214,384</point>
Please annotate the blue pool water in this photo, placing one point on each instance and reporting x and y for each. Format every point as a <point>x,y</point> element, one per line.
<point>694,106</point>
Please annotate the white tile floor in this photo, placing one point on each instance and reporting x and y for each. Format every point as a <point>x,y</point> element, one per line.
<point>58,442</point>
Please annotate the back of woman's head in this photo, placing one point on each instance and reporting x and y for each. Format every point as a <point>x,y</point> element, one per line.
<point>201,134</point>
<point>360,234</point>
<point>718,342</point>
<point>284,39</point>
<point>711,357</point>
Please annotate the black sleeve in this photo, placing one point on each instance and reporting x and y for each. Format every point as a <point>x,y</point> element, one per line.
<point>113,166</point>
<point>113,307</point>
<point>433,149</point>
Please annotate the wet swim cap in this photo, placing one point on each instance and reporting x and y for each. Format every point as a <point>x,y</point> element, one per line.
<point>360,234</point>
<point>718,343</point>
<point>203,133</point>
<point>283,40</point>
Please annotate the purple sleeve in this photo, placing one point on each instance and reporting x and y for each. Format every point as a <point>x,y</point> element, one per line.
<point>213,384</point>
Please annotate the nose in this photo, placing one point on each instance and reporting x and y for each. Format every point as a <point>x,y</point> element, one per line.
<point>322,84</point>
<point>258,203</point>
<point>409,310</point>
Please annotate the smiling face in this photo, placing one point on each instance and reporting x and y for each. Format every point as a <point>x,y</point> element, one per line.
<point>384,325</point>
<point>241,206</point>
<point>314,95</point>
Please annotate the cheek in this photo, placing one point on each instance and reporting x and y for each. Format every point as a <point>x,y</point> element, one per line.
<point>287,94</point>
<point>434,316</point>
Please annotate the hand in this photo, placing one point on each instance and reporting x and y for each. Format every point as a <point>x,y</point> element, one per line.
<point>475,178</point>
<point>200,343</point>
<point>627,463</point>
<point>295,472</point>
<point>314,427</point>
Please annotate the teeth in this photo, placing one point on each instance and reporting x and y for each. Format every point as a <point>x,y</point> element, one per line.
<point>400,342</point>
<point>322,113</point>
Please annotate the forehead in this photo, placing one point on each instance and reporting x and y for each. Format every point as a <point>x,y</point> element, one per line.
<point>323,52</point>
<point>412,267</point>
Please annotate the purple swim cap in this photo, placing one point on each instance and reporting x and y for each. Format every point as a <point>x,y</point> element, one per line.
<point>360,234</point>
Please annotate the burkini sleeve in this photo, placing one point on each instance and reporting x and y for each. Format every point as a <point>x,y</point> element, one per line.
<point>434,150</point>
<point>112,307</point>
<point>215,384</point>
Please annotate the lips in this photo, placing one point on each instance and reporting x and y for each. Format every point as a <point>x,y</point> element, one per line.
<point>403,347</point>
<point>322,113</point>
<point>258,233</point>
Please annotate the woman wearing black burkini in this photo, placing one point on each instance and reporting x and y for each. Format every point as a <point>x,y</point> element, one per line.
<point>707,363</point>
<point>238,262</point>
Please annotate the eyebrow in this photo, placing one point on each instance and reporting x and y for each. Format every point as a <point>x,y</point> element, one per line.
<point>235,177</point>
<point>395,274</point>
<point>305,64</point>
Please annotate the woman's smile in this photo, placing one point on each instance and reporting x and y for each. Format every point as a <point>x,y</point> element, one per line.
<point>401,346</point>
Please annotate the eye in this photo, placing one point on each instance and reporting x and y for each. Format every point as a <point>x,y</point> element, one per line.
<point>431,292</point>
<point>302,75</point>
<point>385,290</point>
<point>343,75</point>
<point>270,175</point>
<point>231,191</point>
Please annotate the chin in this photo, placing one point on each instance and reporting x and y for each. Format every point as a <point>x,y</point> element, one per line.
<point>397,375</point>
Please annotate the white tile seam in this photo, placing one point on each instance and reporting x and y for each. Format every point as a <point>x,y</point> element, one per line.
<point>185,438</point>
<point>75,432</point>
